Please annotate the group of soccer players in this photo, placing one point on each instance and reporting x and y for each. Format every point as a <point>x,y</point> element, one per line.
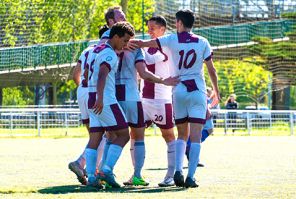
<point>115,111</point>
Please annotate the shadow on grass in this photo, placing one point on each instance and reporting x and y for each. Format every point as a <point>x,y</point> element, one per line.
<point>160,169</point>
<point>127,189</point>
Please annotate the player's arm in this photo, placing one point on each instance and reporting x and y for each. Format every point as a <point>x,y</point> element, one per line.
<point>77,73</point>
<point>147,75</point>
<point>137,43</point>
<point>214,79</point>
<point>103,72</point>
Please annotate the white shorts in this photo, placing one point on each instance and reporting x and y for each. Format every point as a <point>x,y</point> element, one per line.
<point>133,112</point>
<point>82,98</point>
<point>111,118</point>
<point>190,107</point>
<point>159,111</point>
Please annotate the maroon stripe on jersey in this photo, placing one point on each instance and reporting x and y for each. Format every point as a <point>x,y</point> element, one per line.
<point>120,120</point>
<point>105,37</point>
<point>186,37</point>
<point>106,64</point>
<point>101,47</point>
<point>158,43</point>
<point>181,121</point>
<point>140,60</point>
<point>85,121</point>
<point>209,57</point>
<point>196,120</point>
<point>152,51</point>
<point>190,85</point>
<point>149,87</point>
<point>169,118</point>
<point>120,92</point>
<point>96,129</point>
<point>91,100</point>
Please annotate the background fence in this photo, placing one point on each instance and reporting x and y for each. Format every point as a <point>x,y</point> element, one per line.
<point>61,122</point>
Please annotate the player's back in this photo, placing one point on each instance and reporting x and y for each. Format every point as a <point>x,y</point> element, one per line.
<point>103,54</point>
<point>126,76</point>
<point>188,53</point>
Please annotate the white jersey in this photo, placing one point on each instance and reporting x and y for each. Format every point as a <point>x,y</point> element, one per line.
<point>104,54</point>
<point>159,63</point>
<point>106,34</point>
<point>83,61</point>
<point>188,54</point>
<point>126,76</point>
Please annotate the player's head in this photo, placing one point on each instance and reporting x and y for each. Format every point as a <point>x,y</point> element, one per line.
<point>184,19</point>
<point>102,30</point>
<point>156,26</point>
<point>114,15</point>
<point>120,34</point>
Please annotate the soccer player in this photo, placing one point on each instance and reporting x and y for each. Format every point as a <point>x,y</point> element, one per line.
<point>77,166</point>
<point>157,98</point>
<point>189,52</point>
<point>131,62</point>
<point>105,112</point>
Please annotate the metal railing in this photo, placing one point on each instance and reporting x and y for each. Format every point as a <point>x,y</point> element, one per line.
<point>64,121</point>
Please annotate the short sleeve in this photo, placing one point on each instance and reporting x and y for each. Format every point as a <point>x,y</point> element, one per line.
<point>139,56</point>
<point>108,58</point>
<point>208,51</point>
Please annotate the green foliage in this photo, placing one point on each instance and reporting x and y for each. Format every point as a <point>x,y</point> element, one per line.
<point>247,80</point>
<point>18,96</point>
<point>289,15</point>
<point>36,21</point>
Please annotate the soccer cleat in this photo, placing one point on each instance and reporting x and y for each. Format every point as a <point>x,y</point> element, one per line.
<point>129,182</point>
<point>105,185</point>
<point>190,183</point>
<point>75,168</point>
<point>139,182</point>
<point>108,178</point>
<point>94,182</point>
<point>167,182</point>
<point>179,179</point>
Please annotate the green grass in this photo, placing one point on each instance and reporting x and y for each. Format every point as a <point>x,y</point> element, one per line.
<point>236,167</point>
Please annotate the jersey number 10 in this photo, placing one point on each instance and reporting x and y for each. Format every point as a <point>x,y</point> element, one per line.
<point>185,62</point>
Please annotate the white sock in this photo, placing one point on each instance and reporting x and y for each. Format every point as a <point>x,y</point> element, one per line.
<point>113,155</point>
<point>91,159</point>
<point>139,157</point>
<point>132,151</point>
<point>81,160</point>
<point>171,155</point>
<point>100,151</point>
<point>193,158</point>
<point>180,153</point>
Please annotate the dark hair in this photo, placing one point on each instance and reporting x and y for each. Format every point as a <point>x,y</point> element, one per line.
<point>160,20</point>
<point>187,17</point>
<point>110,13</point>
<point>121,28</point>
<point>102,30</point>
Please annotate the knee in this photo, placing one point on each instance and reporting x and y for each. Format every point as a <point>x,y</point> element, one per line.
<point>168,137</point>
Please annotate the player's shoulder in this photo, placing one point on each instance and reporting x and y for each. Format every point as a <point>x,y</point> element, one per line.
<point>106,34</point>
<point>201,39</point>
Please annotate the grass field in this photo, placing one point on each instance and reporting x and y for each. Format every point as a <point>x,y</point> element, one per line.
<point>236,167</point>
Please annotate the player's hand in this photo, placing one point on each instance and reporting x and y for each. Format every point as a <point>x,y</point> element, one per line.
<point>216,99</point>
<point>98,107</point>
<point>135,43</point>
<point>131,46</point>
<point>171,81</point>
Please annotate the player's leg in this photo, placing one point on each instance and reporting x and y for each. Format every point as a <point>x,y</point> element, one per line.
<point>77,166</point>
<point>113,119</point>
<point>169,137</point>
<point>180,152</point>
